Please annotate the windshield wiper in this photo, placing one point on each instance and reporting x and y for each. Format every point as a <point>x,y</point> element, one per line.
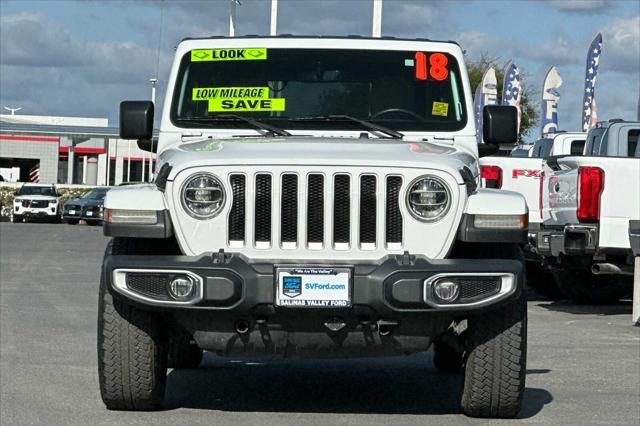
<point>253,123</point>
<point>365,125</point>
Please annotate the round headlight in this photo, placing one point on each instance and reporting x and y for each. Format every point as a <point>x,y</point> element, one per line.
<point>203,196</point>
<point>428,198</point>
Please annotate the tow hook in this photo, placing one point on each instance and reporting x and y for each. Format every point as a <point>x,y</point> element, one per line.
<point>385,327</point>
<point>335,324</point>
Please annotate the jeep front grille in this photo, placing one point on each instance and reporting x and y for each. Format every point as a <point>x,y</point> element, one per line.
<point>315,211</point>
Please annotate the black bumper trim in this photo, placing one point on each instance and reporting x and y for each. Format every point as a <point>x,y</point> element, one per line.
<point>244,287</point>
<point>161,229</point>
<point>470,234</point>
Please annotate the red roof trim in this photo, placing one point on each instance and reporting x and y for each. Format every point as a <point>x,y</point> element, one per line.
<point>29,138</point>
<point>82,150</point>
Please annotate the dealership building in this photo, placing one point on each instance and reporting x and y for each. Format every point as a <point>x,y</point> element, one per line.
<point>69,150</point>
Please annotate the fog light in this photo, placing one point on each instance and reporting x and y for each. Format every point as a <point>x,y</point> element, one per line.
<point>181,288</point>
<point>446,290</point>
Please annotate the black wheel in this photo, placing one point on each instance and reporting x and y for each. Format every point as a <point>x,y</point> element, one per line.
<point>132,357</point>
<point>542,281</point>
<point>495,364</point>
<point>583,287</point>
<point>72,221</point>
<point>446,358</point>
<point>16,218</point>
<point>184,355</point>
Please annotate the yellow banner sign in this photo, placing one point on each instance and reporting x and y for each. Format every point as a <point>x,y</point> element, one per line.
<point>246,54</point>
<point>246,105</point>
<point>440,108</point>
<point>206,93</point>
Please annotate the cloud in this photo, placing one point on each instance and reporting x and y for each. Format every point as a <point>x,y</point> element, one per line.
<point>46,69</point>
<point>583,7</point>
<point>621,45</point>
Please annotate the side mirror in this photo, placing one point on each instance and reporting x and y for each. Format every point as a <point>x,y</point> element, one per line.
<point>500,124</point>
<point>136,119</point>
<point>148,145</point>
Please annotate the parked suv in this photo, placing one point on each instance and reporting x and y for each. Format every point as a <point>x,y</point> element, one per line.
<point>36,201</point>
<point>315,197</point>
<point>88,207</point>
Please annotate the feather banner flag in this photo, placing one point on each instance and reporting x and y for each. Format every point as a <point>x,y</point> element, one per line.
<point>477,111</point>
<point>591,72</point>
<point>550,99</point>
<point>486,94</point>
<point>512,88</point>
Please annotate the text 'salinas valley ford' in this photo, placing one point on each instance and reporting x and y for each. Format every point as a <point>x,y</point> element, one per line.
<point>314,197</point>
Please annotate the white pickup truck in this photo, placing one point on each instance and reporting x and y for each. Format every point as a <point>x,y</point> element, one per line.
<point>525,176</point>
<point>593,201</point>
<point>315,197</point>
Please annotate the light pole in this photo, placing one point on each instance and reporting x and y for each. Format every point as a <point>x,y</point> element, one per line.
<point>154,82</point>
<point>376,28</point>
<point>274,18</point>
<point>13,110</point>
<point>232,16</point>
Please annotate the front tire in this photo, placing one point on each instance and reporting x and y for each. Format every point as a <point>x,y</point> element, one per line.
<point>132,358</point>
<point>16,218</point>
<point>495,368</point>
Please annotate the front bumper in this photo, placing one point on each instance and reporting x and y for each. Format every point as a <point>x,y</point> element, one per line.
<point>38,212</point>
<point>391,287</point>
<point>234,313</point>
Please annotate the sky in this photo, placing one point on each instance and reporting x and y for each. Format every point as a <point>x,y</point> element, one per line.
<point>81,58</point>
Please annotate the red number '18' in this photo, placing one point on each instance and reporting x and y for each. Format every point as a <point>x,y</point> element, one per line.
<point>438,69</point>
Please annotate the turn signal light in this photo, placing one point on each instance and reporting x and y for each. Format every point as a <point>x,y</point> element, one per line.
<point>491,176</point>
<point>590,186</point>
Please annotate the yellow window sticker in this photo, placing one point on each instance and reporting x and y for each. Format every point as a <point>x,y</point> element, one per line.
<point>245,54</point>
<point>246,104</point>
<point>206,93</point>
<point>440,108</point>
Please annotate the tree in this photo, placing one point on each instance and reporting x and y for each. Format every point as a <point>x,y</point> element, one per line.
<point>529,119</point>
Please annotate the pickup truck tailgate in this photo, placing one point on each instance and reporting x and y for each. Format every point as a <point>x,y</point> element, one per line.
<point>619,200</point>
<point>522,175</point>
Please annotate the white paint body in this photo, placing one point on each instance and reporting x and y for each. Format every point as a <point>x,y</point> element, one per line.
<point>620,199</point>
<point>524,175</point>
<point>226,151</point>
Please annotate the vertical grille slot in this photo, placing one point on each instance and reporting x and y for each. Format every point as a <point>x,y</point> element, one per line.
<point>341,209</point>
<point>315,209</point>
<point>263,209</point>
<point>368,209</point>
<point>237,214</point>
<point>393,215</point>
<point>289,209</point>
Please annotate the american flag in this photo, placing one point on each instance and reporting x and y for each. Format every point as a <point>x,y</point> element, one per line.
<point>511,88</point>
<point>589,100</point>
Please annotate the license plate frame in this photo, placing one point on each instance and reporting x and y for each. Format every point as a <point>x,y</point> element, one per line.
<point>313,287</point>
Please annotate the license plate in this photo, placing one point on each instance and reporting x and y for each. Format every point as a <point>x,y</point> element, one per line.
<point>89,213</point>
<point>313,287</point>
<point>72,212</point>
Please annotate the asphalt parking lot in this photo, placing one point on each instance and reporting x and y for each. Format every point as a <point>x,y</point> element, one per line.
<point>583,362</point>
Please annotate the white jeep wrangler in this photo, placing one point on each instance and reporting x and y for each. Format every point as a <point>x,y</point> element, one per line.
<point>314,197</point>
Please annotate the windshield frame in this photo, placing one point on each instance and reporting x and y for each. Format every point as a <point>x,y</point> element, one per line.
<point>299,122</point>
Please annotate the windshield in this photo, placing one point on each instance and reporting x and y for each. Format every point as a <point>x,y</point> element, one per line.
<point>49,191</point>
<point>288,88</point>
<point>95,194</point>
